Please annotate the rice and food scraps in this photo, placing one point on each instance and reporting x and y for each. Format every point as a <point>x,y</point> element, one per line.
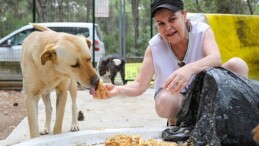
<point>127,140</point>
<point>132,140</point>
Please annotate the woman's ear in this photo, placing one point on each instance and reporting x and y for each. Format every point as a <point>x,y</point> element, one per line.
<point>185,15</point>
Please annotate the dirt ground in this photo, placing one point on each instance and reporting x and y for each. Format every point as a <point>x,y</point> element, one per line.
<point>12,111</point>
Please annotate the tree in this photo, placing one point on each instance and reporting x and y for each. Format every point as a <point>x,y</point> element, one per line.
<point>252,4</point>
<point>220,6</point>
<point>138,20</point>
<point>41,10</point>
<point>135,17</point>
<point>89,10</point>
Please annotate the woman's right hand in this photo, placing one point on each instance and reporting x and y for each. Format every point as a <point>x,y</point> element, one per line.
<point>100,92</point>
<point>110,90</point>
<point>105,91</point>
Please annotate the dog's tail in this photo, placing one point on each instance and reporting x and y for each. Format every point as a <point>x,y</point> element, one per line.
<point>40,27</point>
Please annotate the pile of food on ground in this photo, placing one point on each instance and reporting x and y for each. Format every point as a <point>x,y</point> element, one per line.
<point>136,140</point>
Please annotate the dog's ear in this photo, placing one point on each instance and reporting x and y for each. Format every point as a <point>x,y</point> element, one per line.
<point>88,42</point>
<point>48,54</point>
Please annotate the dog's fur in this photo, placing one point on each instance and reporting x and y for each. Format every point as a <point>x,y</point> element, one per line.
<point>111,65</point>
<point>54,61</point>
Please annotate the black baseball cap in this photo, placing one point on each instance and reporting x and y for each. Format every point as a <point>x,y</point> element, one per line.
<point>174,5</point>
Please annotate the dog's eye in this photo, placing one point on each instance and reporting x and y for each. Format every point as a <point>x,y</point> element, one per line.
<point>76,65</point>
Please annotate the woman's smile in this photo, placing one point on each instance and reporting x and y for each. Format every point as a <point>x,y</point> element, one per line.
<point>171,34</point>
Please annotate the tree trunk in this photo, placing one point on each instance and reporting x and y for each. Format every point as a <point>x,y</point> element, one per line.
<point>89,5</point>
<point>41,6</point>
<point>135,15</point>
<point>60,9</point>
<point>249,4</point>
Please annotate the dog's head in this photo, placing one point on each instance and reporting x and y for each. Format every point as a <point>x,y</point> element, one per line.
<point>103,66</point>
<point>71,57</point>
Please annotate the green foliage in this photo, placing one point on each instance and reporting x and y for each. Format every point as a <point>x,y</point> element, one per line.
<point>16,13</point>
<point>222,6</point>
<point>11,12</point>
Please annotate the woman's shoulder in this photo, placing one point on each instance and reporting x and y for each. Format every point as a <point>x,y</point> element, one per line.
<point>198,26</point>
<point>155,39</point>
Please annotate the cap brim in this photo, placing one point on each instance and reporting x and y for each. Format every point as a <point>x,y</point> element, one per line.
<point>170,7</point>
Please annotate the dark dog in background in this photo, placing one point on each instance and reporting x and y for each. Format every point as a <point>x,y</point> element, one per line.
<point>111,64</point>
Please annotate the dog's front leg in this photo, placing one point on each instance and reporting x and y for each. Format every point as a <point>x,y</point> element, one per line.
<point>113,75</point>
<point>73,94</point>
<point>60,109</point>
<point>48,113</point>
<point>31,103</point>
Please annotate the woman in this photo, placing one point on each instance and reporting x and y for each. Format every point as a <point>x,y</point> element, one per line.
<point>179,51</point>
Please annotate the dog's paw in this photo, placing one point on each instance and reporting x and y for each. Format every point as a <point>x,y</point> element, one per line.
<point>100,91</point>
<point>44,131</point>
<point>256,134</point>
<point>74,128</point>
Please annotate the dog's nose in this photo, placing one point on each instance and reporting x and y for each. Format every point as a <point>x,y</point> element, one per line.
<point>95,81</point>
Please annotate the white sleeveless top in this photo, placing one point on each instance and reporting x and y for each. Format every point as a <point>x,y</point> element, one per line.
<point>165,62</point>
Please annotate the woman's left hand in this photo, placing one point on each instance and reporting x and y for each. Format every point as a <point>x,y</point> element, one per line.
<point>178,80</point>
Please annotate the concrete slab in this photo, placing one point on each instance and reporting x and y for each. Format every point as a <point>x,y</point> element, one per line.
<point>115,113</point>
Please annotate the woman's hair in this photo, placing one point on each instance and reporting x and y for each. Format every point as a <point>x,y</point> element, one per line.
<point>188,23</point>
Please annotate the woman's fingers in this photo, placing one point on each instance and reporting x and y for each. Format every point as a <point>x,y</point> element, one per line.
<point>174,83</point>
<point>101,92</point>
<point>169,83</point>
<point>178,87</point>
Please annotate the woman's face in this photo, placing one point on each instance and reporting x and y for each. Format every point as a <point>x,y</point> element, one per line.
<point>171,25</point>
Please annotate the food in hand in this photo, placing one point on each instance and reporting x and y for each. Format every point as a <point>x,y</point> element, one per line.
<point>99,91</point>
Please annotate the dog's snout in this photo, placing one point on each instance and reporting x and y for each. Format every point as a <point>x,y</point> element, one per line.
<point>95,81</point>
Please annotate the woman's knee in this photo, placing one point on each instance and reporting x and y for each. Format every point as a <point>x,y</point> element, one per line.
<point>166,104</point>
<point>237,65</point>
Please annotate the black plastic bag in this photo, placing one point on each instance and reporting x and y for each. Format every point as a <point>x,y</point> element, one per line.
<point>221,108</point>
